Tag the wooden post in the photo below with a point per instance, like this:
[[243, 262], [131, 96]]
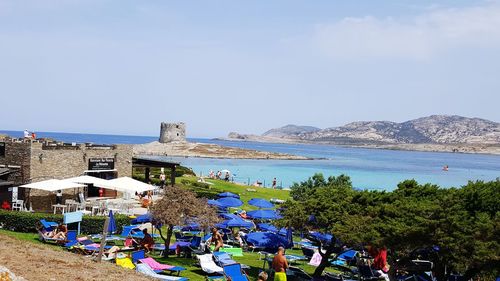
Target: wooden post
[[172, 175], [103, 239], [146, 175]]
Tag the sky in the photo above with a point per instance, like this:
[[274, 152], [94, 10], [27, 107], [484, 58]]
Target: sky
[[122, 67]]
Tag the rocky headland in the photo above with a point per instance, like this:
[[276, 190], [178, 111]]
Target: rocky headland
[[433, 133]]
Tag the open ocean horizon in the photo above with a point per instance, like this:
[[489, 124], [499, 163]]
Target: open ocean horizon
[[368, 168]]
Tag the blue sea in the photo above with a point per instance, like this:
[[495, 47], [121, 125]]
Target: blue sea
[[368, 168]]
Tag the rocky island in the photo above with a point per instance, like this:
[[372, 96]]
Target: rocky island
[[433, 133]]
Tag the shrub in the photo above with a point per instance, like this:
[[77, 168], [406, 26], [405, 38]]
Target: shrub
[[29, 222]]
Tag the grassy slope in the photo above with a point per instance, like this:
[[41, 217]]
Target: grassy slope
[[193, 272]]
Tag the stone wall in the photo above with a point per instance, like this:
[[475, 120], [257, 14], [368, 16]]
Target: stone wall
[[17, 156], [172, 132], [68, 162]]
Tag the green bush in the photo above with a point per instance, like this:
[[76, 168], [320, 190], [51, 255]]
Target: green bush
[[29, 222]]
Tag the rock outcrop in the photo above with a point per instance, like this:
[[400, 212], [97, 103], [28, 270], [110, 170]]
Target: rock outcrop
[[436, 131]]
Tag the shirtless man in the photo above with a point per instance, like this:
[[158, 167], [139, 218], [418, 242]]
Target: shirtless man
[[280, 265], [216, 239]]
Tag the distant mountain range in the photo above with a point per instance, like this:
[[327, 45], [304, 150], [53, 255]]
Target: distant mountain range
[[435, 129]]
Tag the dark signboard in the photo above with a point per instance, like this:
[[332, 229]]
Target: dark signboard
[[96, 164], [2, 149]]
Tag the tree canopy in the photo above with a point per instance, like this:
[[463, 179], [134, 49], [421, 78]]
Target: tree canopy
[[464, 223], [179, 207]]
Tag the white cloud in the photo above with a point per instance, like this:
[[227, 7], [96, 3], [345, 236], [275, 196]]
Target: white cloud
[[420, 37]]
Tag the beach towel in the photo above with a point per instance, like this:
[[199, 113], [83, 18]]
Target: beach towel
[[280, 276], [316, 259], [125, 262], [156, 265]]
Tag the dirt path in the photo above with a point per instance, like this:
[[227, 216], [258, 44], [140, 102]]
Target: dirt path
[[41, 262]]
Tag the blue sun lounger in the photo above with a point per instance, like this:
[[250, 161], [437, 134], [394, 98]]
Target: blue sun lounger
[[234, 272]]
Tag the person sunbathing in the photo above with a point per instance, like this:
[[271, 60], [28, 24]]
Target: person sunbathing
[[59, 233], [147, 242]]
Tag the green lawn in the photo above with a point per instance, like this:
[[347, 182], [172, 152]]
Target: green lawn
[[219, 186], [194, 272]]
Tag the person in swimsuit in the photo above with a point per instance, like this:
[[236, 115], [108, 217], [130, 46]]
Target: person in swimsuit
[[280, 265], [216, 239]]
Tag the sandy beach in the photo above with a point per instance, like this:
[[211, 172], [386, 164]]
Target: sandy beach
[[203, 150]]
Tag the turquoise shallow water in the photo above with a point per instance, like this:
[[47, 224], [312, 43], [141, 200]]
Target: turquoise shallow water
[[368, 168]]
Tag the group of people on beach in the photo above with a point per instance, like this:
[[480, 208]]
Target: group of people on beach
[[218, 175]]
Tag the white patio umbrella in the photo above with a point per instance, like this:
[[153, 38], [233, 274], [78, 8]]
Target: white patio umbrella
[[52, 185], [126, 184], [90, 180]]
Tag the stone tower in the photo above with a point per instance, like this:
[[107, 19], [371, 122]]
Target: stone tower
[[172, 132]]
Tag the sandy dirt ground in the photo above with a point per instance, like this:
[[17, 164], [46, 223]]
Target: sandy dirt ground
[[41, 262], [204, 150]]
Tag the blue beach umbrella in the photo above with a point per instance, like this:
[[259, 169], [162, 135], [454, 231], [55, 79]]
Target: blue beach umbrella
[[323, 238], [228, 194], [112, 223], [268, 240], [261, 203], [143, 219], [267, 227], [264, 214], [215, 203], [236, 223], [229, 202]]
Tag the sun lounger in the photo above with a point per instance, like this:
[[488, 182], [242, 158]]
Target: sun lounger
[[234, 272], [208, 265], [235, 252], [125, 262], [70, 236], [223, 259], [48, 225], [161, 267], [146, 270]]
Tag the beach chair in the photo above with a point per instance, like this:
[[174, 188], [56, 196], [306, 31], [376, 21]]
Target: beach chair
[[234, 272], [146, 270], [208, 265], [180, 238], [156, 266], [125, 262], [48, 225], [194, 247]]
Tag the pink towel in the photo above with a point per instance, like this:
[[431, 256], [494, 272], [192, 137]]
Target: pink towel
[[316, 259], [155, 265]]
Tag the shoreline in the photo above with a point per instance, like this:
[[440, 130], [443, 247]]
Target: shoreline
[[483, 149], [204, 150]]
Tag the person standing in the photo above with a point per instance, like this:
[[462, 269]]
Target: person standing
[[274, 183], [26, 134], [216, 239], [280, 265], [59, 197], [162, 180]]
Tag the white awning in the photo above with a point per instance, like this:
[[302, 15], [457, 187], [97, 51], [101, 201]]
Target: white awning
[[52, 185], [90, 180], [99, 171], [126, 184]]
